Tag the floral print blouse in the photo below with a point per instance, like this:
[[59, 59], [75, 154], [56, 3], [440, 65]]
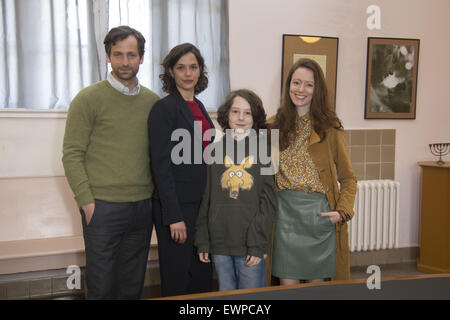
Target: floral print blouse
[[297, 170]]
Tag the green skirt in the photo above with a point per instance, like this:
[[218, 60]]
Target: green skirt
[[304, 242]]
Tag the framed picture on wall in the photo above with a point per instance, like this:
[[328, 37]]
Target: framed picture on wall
[[323, 50], [391, 79]]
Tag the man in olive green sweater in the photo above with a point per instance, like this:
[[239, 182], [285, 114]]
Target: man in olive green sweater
[[107, 165]]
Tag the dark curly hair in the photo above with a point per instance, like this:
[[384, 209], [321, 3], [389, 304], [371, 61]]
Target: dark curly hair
[[171, 60], [322, 115], [256, 106], [121, 33]]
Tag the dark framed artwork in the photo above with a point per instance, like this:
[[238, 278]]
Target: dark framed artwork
[[391, 79], [323, 50]]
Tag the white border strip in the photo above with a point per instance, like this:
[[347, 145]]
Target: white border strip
[[31, 113]]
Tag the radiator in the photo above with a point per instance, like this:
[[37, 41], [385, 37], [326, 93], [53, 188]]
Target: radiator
[[375, 224]]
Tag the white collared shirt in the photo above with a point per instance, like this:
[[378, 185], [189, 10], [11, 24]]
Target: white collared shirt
[[119, 86]]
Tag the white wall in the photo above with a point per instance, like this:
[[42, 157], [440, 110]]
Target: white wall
[[256, 29]]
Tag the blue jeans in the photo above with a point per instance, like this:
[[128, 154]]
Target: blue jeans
[[234, 274]]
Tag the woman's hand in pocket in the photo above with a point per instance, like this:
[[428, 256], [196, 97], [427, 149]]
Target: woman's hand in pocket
[[335, 217]]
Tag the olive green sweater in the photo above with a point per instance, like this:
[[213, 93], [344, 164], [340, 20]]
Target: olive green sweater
[[105, 148]]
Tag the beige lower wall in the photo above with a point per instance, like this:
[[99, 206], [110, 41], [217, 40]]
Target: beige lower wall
[[372, 153], [37, 208], [40, 225]]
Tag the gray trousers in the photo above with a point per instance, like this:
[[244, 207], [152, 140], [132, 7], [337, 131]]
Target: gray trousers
[[117, 242]]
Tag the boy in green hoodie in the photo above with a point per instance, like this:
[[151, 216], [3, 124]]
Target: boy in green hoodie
[[238, 209]]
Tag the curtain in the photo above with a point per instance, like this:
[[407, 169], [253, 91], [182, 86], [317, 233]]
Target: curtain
[[51, 49], [47, 52], [203, 23]]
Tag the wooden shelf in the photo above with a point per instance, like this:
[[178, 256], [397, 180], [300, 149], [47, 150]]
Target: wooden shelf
[[435, 218]]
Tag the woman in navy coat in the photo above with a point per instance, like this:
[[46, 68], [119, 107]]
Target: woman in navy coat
[[180, 173]]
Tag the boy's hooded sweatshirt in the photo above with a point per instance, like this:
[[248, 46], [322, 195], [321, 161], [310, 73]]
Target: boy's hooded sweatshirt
[[239, 205]]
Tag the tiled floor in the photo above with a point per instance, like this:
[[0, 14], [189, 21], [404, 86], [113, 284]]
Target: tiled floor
[[387, 270], [36, 289], [49, 284], [360, 272]]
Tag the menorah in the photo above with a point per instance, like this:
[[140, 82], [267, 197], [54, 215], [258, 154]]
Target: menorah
[[440, 149]]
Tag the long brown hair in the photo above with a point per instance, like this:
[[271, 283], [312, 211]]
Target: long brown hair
[[322, 115]]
